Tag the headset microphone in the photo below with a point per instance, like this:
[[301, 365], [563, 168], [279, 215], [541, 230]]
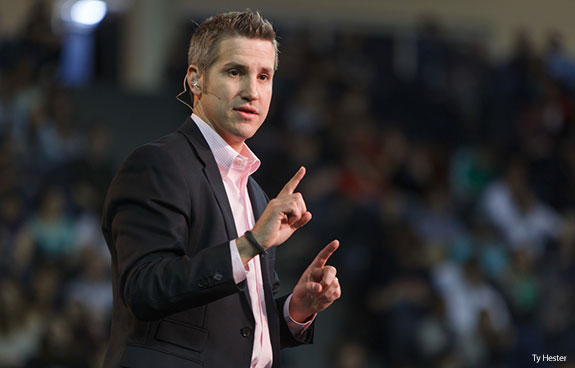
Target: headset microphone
[[196, 83], [209, 93]]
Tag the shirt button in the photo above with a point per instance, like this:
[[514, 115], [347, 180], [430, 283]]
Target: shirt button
[[246, 331]]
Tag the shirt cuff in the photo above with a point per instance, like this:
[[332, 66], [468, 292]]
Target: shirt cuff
[[296, 328], [237, 265]]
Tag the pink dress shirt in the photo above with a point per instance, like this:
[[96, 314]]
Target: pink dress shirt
[[235, 169]]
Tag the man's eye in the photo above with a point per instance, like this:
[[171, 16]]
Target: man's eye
[[233, 72], [264, 77]]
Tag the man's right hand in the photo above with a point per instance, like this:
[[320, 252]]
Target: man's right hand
[[282, 216]]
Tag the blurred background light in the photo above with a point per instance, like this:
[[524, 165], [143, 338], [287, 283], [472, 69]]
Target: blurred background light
[[83, 13], [80, 19], [88, 12]]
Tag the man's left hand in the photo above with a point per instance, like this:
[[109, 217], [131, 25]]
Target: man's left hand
[[317, 288]]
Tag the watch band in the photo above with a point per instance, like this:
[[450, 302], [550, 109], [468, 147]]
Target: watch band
[[251, 238]]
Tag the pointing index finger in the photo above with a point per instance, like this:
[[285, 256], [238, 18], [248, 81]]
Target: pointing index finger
[[322, 257], [290, 186]]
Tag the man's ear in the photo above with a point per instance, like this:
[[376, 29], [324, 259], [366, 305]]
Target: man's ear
[[193, 80]]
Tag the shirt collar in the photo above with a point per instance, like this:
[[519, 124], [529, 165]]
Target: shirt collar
[[224, 154]]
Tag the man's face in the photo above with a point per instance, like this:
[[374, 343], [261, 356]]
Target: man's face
[[236, 90]]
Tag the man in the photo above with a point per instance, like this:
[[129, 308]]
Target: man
[[192, 235]]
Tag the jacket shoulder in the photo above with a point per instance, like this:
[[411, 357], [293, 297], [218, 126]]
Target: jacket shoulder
[[173, 146]]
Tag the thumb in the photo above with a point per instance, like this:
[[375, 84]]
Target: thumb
[[301, 291], [313, 287]]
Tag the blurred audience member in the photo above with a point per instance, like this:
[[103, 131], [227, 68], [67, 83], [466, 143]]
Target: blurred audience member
[[20, 326], [473, 307], [92, 289], [511, 205], [50, 227], [59, 139]]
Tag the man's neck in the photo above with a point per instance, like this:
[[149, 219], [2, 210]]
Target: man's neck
[[237, 145]]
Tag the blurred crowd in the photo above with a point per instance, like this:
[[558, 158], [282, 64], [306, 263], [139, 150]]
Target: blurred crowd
[[451, 187], [55, 288], [448, 177]]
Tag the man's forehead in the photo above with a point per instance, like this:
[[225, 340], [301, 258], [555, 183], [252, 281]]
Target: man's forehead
[[242, 50]]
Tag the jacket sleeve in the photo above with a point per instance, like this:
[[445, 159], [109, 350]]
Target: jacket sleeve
[[287, 339], [146, 223]]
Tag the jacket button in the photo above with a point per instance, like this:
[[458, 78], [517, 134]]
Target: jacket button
[[218, 276], [246, 331]]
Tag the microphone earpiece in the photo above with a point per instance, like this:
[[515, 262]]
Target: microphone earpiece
[[195, 83]]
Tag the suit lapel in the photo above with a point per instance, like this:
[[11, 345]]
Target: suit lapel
[[257, 198], [214, 177], [212, 173]]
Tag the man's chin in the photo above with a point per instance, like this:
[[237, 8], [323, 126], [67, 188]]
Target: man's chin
[[247, 128]]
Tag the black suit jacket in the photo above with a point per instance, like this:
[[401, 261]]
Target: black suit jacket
[[168, 223]]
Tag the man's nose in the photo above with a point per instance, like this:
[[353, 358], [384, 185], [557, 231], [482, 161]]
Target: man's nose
[[250, 88]]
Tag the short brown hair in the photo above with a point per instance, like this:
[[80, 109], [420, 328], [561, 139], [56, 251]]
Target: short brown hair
[[203, 48]]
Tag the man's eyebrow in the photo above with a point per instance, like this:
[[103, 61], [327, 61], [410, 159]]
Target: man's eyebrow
[[233, 64], [268, 70], [242, 67]]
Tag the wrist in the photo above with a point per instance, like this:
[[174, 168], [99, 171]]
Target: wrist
[[245, 249], [298, 313]]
